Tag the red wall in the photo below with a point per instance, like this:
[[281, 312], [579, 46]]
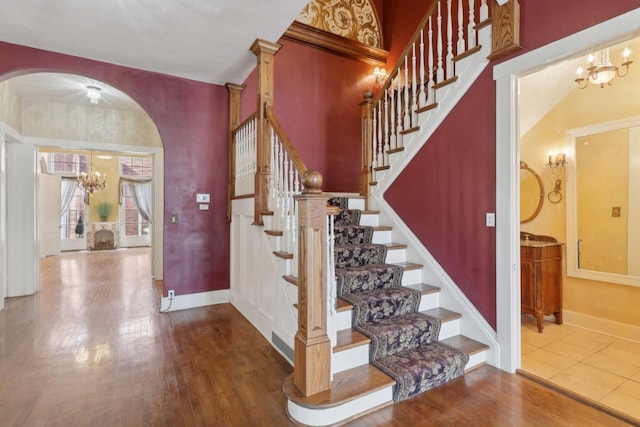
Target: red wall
[[192, 119], [452, 179], [316, 99]]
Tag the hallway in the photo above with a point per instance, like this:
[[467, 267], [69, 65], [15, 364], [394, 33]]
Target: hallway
[[91, 349]]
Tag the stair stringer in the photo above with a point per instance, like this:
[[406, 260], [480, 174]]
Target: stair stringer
[[467, 70], [260, 293], [472, 323]]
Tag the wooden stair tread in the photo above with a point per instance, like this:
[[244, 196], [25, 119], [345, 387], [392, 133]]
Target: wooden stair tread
[[291, 279], [442, 313], [283, 255], [427, 107], [342, 305], [273, 232], [395, 150], [350, 338], [382, 168], [346, 386], [369, 212], [392, 246], [424, 288], [445, 82], [410, 130], [407, 266], [383, 228], [466, 344], [266, 213]]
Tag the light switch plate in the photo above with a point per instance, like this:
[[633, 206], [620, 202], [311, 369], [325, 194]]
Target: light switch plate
[[204, 206], [203, 198], [491, 219]]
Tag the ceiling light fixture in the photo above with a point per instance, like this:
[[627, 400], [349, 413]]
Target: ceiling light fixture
[[94, 94], [104, 156], [600, 70]]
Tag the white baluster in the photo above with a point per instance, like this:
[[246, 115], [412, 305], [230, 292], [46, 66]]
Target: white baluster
[[398, 111], [291, 211], [278, 216], [392, 109], [460, 48], [407, 116], [386, 126], [484, 11], [381, 137], [422, 97], [449, 42], [414, 89], [382, 160], [440, 72], [430, 91], [471, 30], [374, 144]]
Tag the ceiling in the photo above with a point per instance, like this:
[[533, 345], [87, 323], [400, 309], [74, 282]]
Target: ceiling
[[203, 40]]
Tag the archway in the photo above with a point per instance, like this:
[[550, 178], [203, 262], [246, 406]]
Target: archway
[[52, 110]]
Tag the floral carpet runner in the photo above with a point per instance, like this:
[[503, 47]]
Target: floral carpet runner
[[404, 342]]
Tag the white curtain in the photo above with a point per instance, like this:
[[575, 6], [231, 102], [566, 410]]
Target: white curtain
[[141, 192], [67, 191]]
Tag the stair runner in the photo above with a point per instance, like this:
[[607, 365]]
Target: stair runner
[[404, 342]]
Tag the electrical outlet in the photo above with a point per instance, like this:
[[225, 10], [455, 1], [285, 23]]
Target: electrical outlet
[[171, 294]]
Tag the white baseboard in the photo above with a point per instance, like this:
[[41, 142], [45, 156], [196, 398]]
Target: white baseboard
[[199, 299], [603, 326]]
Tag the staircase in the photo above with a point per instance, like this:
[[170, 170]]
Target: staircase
[[358, 386]]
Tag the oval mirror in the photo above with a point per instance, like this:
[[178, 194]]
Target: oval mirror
[[531, 193]]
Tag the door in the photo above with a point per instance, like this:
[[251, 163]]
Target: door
[[49, 214]]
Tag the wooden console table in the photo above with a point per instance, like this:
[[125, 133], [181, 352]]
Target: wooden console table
[[541, 280]]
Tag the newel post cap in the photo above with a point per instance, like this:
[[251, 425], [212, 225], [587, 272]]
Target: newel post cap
[[312, 182]]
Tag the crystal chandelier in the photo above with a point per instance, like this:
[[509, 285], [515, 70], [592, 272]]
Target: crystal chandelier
[[601, 71], [92, 181]]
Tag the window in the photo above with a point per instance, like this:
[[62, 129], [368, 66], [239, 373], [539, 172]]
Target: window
[[69, 164], [134, 167]]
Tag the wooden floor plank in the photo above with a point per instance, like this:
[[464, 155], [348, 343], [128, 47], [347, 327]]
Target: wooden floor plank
[[92, 349]]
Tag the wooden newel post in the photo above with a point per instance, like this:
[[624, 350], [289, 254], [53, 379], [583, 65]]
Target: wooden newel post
[[505, 28], [366, 108], [234, 121], [264, 52], [312, 370]]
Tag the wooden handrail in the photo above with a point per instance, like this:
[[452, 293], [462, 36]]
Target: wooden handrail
[[291, 151], [247, 120]]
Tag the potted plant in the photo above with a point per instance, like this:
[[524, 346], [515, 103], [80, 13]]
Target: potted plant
[[104, 210]]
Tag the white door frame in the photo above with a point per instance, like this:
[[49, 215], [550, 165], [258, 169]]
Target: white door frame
[[506, 75]]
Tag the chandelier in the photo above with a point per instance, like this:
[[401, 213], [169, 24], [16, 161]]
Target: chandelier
[[92, 181], [600, 70]]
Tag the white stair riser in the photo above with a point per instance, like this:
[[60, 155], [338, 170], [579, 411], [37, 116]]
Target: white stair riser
[[350, 358], [370, 219], [342, 320], [334, 414], [396, 255], [381, 237], [411, 276], [429, 301], [476, 359], [355, 203], [449, 329]]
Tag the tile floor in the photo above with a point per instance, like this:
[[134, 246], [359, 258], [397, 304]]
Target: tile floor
[[600, 367]]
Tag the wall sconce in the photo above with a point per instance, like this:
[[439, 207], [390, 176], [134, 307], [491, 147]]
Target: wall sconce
[[558, 161], [380, 74]]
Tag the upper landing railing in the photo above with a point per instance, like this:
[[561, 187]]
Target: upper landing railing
[[447, 34]]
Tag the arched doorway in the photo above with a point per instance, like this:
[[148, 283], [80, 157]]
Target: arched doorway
[[52, 112]]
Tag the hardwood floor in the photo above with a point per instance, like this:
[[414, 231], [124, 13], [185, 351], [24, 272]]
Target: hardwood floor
[[92, 349]]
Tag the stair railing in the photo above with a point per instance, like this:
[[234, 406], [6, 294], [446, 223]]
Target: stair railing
[[244, 144], [427, 63]]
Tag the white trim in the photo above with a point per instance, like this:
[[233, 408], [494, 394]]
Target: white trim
[[600, 325], [507, 153], [199, 299], [3, 218]]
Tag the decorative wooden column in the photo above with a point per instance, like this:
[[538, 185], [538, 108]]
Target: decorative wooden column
[[505, 28], [234, 120], [312, 370], [366, 108], [264, 51]]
